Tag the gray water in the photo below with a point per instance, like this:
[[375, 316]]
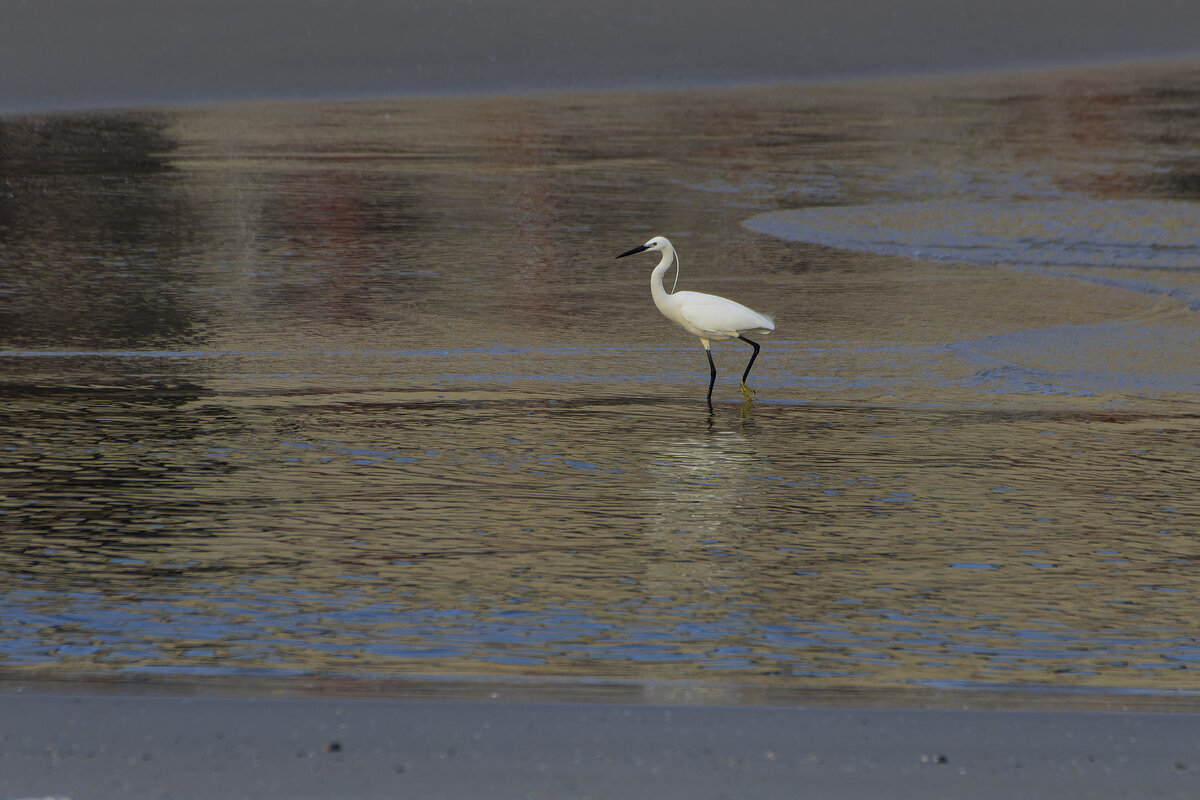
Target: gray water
[[358, 390]]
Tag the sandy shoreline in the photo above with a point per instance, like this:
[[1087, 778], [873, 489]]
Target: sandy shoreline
[[110, 746], [308, 737]]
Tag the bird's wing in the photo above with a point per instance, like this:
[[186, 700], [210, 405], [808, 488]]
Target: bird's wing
[[708, 312]]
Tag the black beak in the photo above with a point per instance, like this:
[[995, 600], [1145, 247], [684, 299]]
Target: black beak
[[637, 249]]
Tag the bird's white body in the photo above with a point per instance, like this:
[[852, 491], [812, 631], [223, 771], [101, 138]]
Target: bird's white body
[[708, 317]]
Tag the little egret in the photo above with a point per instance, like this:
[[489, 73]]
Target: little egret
[[706, 316]]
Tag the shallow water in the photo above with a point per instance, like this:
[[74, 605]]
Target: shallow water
[[358, 389]]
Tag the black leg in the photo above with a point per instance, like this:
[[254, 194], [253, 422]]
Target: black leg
[[746, 374], [712, 376]]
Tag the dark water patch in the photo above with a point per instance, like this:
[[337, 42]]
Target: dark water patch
[[116, 145]]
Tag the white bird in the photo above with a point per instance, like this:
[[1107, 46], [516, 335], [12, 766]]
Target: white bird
[[706, 316]]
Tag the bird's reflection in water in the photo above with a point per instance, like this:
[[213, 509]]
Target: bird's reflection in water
[[696, 498]]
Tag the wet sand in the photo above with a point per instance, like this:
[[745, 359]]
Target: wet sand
[[183, 747]]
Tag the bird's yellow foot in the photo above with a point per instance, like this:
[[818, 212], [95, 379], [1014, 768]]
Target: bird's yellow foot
[[747, 392]]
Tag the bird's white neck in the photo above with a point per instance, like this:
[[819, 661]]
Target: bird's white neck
[[657, 291]]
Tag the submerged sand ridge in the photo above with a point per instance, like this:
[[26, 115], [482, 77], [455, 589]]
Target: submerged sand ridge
[[1140, 246]]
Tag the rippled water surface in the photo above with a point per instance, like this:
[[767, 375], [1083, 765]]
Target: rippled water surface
[[358, 389]]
